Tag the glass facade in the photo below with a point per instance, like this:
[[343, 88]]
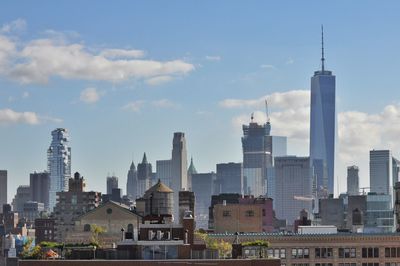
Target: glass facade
[[322, 129]]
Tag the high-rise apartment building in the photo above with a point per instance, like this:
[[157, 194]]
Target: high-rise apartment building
[[257, 156], [40, 185], [179, 169], [322, 126], [144, 173], [353, 186], [3, 189], [294, 182], [112, 182], [58, 164], [203, 188], [132, 182], [23, 195]]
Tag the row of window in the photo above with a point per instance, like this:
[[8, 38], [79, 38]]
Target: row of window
[[347, 264], [323, 253], [248, 213], [392, 252]]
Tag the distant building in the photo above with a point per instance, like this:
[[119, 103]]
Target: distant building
[[23, 195], [58, 164], [332, 212], [279, 148], [257, 157], [380, 216], [132, 182], [144, 173], [224, 198], [72, 204], [294, 184], [3, 189], [203, 187], [9, 219], [40, 185], [191, 171], [248, 215], [164, 171], [44, 230], [353, 186], [186, 203], [230, 178], [179, 168], [112, 182], [33, 210], [322, 126], [356, 204]]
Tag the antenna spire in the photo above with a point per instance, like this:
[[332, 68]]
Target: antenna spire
[[266, 110], [252, 117], [322, 50]]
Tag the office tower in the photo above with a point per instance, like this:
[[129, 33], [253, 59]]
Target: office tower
[[164, 171], [112, 182], [293, 187], [203, 188], [380, 172], [279, 148], [230, 178], [179, 169], [257, 156], [40, 185], [131, 183], [353, 187], [32, 210], [322, 126], [191, 171], [396, 169], [73, 203], [58, 164], [23, 195], [144, 172], [3, 189]]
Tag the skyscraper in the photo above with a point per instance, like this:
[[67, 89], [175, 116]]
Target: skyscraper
[[179, 169], [40, 184], [352, 180], [132, 183], [380, 172], [3, 189], [144, 173], [257, 156], [322, 127], [58, 164], [230, 178], [293, 187], [112, 182], [164, 171]]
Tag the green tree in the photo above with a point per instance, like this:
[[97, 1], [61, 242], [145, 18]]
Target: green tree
[[97, 231]]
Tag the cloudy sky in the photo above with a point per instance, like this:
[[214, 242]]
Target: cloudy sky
[[123, 76]]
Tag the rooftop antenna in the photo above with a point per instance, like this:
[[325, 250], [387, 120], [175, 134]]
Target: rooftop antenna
[[322, 46], [252, 117], [266, 111]]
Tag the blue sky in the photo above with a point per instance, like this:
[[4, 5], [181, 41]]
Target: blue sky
[[123, 76]]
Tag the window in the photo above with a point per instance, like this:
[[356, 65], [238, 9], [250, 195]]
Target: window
[[249, 213], [226, 213], [130, 228], [323, 253], [392, 252], [370, 264], [300, 253], [86, 228], [347, 253], [371, 253], [347, 264], [323, 264]]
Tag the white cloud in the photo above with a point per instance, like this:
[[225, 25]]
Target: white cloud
[[164, 103], [56, 56], [25, 94], [158, 80], [289, 61], [291, 99], [120, 53], [213, 58], [134, 106], [90, 95], [9, 116], [268, 66], [16, 25]]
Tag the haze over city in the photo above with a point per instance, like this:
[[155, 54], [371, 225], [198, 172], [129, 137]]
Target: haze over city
[[123, 77]]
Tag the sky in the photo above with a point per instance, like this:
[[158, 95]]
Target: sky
[[122, 76]]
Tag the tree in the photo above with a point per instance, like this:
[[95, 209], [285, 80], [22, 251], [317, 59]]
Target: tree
[[261, 244], [97, 231], [224, 248]]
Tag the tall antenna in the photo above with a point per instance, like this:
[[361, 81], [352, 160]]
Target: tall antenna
[[252, 117], [266, 110], [322, 46]]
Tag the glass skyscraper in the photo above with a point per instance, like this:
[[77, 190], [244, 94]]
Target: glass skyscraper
[[322, 127], [58, 164]]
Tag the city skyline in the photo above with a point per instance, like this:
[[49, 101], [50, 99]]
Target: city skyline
[[205, 79]]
